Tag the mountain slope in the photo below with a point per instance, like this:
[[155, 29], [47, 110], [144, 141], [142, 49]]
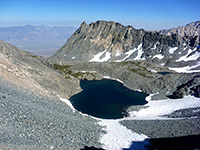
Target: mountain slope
[[110, 41], [32, 115], [33, 72], [40, 40], [191, 29]]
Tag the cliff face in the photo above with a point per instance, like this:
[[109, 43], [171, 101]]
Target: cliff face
[[110, 41]]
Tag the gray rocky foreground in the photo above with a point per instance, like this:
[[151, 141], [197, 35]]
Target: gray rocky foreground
[[164, 128], [28, 121]]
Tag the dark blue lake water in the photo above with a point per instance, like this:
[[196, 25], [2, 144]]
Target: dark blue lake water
[[106, 99], [164, 73]]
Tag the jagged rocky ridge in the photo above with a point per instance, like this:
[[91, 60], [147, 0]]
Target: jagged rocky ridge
[[190, 30], [110, 41]]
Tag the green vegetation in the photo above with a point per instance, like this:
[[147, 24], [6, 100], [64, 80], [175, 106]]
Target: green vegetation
[[65, 69], [124, 63], [136, 67], [142, 72], [34, 56]]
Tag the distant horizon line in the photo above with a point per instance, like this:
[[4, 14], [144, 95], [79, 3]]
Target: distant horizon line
[[36, 26], [74, 26]]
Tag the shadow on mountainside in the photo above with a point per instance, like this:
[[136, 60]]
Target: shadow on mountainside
[[178, 143]]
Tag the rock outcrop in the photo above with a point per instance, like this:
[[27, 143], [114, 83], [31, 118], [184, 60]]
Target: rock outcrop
[[110, 41], [192, 87]]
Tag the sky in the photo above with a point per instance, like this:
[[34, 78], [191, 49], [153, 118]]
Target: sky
[[147, 14]]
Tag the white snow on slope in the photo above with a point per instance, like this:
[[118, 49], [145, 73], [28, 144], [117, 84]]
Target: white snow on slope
[[159, 56], [87, 71], [108, 77], [195, 56], [118, 136], [117, 53], [97, 58], [154, 71], [154, 47], [67, 102], [130, 52], [140, 52], [156, 109], [172, 49], [186, 69]]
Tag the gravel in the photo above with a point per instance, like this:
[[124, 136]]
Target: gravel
[[164, 128], [28, 121], [185, 113]]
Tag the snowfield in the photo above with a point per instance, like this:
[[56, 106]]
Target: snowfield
[[156, 109], [172, 49], [97, 57], [159, 56], [186, 69], [186, 57], [118, 137]]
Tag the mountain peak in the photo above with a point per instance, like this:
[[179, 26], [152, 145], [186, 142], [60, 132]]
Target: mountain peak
[[83, 24]]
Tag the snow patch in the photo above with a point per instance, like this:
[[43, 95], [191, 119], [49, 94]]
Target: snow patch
[[159, 56], [156, 109], [186, 69], [117, 53], [73, 57], [172, 49], [87, 71], [107, 77], [118, 137], [130, 52], [148, 98], [195, 56], [67, 102], [140, 52], [162, 64], [97, 58], [154, 71], [155, 45]]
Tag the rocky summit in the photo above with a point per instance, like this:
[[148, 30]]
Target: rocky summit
[[108, 41]]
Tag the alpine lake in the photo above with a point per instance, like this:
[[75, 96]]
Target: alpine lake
[[106, 99]]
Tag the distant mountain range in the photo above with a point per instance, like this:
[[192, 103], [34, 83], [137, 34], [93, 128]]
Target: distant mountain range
[[106, 41], [191, 29], [40, 40]]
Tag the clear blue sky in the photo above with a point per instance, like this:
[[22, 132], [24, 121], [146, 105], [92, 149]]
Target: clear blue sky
[[147, 14]]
